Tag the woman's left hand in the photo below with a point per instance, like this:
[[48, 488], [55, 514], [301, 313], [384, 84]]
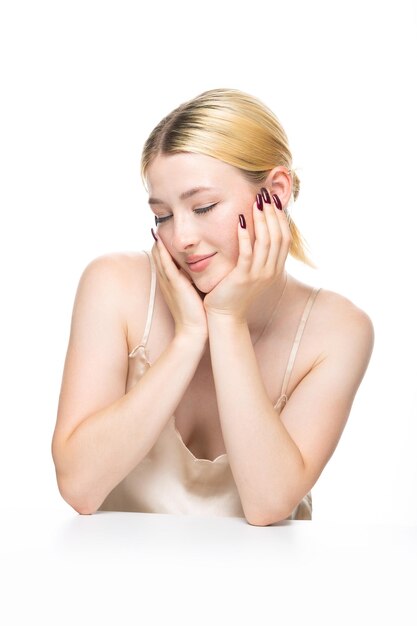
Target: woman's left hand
[[256, 269]]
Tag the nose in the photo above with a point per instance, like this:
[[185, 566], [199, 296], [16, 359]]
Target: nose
[[185, 234]]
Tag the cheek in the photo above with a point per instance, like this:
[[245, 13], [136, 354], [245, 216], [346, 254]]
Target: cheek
[[226, 235], [228, 228]]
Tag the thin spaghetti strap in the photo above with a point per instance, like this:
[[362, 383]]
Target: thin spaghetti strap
[[297, 340], [151, 305]]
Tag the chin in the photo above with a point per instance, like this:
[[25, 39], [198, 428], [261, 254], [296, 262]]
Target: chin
[[203, 291], [202, 294], [204, 284]]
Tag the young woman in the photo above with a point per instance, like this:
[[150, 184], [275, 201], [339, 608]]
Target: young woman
[[218, 386]]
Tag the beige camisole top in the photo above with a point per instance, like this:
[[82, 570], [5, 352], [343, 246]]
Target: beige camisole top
[[170, 479]]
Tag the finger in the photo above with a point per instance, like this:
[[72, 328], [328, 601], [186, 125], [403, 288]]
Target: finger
[[263, 239], [275, 232], [244, 261], [167, 255], [156, 256], [285, 241], [280, 236], [167, 263]]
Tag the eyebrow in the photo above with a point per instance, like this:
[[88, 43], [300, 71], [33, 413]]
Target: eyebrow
[[184, 195]]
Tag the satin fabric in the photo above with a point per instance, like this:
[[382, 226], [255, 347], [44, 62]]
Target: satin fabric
[[170, 479]]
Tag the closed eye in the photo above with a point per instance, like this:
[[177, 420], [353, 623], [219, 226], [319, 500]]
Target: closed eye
[[160, 220]]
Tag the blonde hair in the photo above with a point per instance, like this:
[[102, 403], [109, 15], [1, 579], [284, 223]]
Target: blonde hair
[[236, 128]]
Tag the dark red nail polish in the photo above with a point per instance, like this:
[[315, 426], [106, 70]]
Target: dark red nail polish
[[277, 201], [266, 195], [259, 202], [153, 235], [242, 220]]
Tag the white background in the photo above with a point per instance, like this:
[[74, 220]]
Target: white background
[[84, 83]]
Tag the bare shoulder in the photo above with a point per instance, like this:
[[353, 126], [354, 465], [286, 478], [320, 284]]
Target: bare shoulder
[[124, 266], [341, 324], [336, 308], [95, 367], [124, 275], [115, 284]]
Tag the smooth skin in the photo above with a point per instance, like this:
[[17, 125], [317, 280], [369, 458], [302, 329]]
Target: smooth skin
[[288, 454], [257, 268], [249, 264], [102, 432]]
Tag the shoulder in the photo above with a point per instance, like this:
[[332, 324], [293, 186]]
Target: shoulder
[[122, 270], [116, 279], [342, 325], [338, 310], [118, 264], [331, 311]]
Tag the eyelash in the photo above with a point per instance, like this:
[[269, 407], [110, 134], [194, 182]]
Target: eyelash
[[160, 220]]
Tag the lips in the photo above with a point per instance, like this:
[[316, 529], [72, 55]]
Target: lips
[[200, 266], [196, 259]]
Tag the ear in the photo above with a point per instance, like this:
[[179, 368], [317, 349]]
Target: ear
[[279, 180]]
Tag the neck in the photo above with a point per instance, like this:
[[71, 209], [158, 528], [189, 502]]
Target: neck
[[259, 314], [265, 306]]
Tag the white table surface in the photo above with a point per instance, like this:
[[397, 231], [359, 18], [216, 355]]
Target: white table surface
[[58, 567]]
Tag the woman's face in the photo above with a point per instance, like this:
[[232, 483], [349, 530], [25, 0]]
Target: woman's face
[[187, 230]]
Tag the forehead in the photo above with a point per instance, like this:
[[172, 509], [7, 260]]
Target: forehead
[[185, 168]]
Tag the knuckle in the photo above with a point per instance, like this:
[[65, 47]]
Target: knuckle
[[269, 274]]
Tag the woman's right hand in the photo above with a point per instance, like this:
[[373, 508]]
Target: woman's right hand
[[181, 296]]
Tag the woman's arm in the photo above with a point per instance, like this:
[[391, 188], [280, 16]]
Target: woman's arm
[[276, 459], [102, 432]]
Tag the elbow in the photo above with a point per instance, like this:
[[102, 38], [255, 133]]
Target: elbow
[[266, 518], [83, 511], [70, 491], [78, 501], [266, 521], [267, 513], [82, 507]]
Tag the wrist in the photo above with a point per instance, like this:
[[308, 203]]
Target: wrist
[[187, 337], [225, 318]]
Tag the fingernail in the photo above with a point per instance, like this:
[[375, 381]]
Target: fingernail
[[277, 201], [259, 202], [153, 235], [242, 220], [266, 195]]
